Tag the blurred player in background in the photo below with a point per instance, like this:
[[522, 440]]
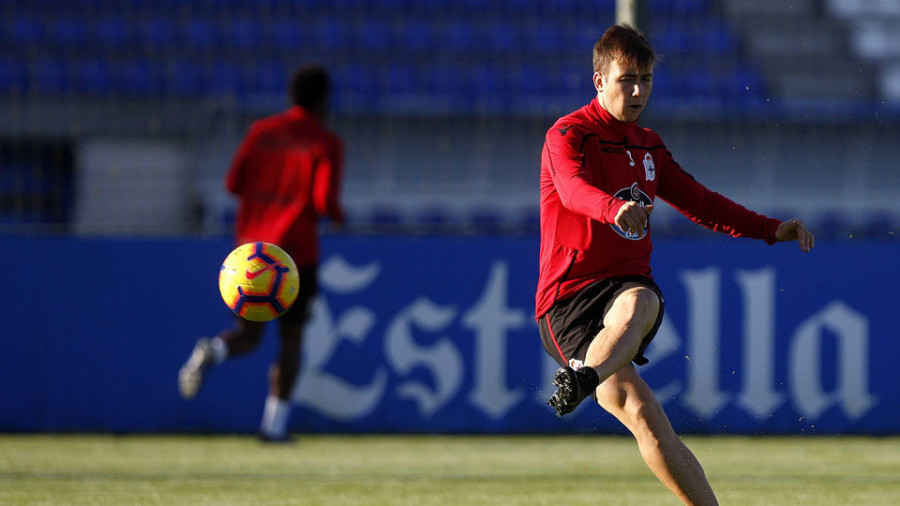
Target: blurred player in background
[[286, 174], [597, 305]]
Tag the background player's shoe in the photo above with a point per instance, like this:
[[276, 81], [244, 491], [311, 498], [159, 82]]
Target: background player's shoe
[[190, 377], [571, 388]]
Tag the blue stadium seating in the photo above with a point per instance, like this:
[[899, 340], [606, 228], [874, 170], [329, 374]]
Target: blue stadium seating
[[113, 32], [27, 31], [13, 77], [468, 53], [94, 77], [69, 32], [202, 34], [288, 35]]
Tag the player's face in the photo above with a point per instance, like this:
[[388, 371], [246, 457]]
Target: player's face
[[624, 90]]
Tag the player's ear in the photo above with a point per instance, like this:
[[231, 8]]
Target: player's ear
[[598, 81]]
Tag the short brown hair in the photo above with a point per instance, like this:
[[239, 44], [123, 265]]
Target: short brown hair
[[310, 86], [625, 44]]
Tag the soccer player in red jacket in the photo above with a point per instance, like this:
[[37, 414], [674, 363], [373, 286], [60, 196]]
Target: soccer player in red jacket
[[596, 303], [286, 174]]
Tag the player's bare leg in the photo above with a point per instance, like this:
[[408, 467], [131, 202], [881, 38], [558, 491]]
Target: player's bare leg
[[284, 371], [627, 397], [282, 376], [630, 316], [244, 337], [239, 340]]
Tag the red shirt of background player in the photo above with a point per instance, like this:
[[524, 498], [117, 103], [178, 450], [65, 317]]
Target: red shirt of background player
[[590, 165], [287, 174]]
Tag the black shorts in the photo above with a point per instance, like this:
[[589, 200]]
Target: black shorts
[[571, 324], [309, 286]]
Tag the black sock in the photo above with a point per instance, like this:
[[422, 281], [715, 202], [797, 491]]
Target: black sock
[[589, 378]]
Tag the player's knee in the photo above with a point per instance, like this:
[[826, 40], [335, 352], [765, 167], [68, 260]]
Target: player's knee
[[646, 421], [646, 302], [638, 413], [249, 335], [642, 304]]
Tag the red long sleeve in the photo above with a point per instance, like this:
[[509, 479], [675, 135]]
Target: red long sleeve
[[710, 209], [287, 174], [590, 165], [565, 162]]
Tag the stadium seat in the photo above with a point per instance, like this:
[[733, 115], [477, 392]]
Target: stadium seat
[[157, 33], [677, 7], [376, 35], [414, 36], [224, 77], [444, 80], [286, 35], [485, 80], [27, 31], [583, 34], [52, 77], [433, 219], [493, 49], [13, 77], [544, 37], [383, 218], [270, 77], [359, 79], [457, 36], [403, 79], [502, 36], [201, 34], [485, 221], [138, 77], [332, 34], [94, 77], [113, 32], [69, 32], [718, 38], [242, 34], [185, 78]]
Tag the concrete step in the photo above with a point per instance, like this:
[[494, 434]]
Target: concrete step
[[737, 8], [793, 79], [767, 35]]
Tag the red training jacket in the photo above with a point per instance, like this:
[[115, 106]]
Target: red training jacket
[[286, 174], [591, 163]]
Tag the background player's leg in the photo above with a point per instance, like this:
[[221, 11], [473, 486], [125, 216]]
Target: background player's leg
[[238, 340], [627, 397], [282, 376], [286, 367], [243, 338]]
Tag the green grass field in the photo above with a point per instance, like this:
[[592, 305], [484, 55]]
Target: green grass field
[[435, 470]]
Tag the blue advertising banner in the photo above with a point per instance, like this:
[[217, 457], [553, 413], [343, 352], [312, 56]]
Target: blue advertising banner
[[437, 334]]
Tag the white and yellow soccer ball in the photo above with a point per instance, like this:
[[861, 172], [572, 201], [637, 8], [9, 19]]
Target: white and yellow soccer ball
[[258, 281]]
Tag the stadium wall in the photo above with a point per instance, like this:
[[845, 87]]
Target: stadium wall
[[437, 335]]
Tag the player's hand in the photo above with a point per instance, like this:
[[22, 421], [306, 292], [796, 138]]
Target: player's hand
[[632, 217], [795, 230]]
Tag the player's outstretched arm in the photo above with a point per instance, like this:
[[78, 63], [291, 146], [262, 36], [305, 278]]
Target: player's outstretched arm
[[795, 230]]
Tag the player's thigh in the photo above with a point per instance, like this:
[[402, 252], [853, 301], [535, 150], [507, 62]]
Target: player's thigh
[[633, 303], [248, 330], [293, 321], [627, 396]]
